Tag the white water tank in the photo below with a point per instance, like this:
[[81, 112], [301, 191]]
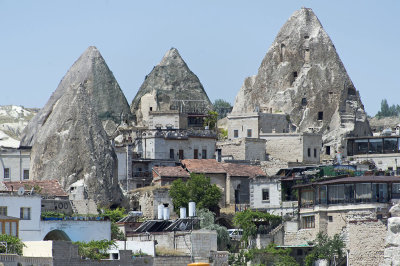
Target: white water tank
[[166, 213], [192, 209], [182, 211], [160, 212]]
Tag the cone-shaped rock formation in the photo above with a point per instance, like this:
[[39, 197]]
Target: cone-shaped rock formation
[[72, 145], [303, 76], [109, 102], [171, 85]]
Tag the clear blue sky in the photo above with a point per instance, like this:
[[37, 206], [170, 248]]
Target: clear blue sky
[[221, 41]]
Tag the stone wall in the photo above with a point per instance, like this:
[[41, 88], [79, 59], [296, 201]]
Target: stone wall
[[17, 161], [243, 149], [366, 238], [241, 123], [292, 147], [148, 198], [202, 241], [382, 161]]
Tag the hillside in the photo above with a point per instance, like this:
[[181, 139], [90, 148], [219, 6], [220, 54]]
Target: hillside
[[13, 120]]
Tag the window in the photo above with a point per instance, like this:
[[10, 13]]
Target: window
[[6, 172], [7, 228], [151, 108], [351, 91], [328, 150], [306, 37], [304, 101], [309, 222], [236, 133], [330, 219], [204, 154], [320, 115], [14, 228], [3, 210], [265, 194], [196, 154], [295, 74], [315, 153], [171, 154], [309, 152], [26, 174], [249, 133], [25, 213], [180, 154]]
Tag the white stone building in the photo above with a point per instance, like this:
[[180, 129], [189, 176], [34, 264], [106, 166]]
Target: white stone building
[[32, 228], [250, 125], [266, 195], [14, 164]]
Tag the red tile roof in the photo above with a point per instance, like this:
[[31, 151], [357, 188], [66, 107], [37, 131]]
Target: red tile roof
[[47, 187], [170, 171], [203, 166], [243, 170]]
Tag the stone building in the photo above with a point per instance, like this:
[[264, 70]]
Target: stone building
[[165, 175], [14, 164], [251, 125], [294, 147], [241, 149], [383, 151], [303, 77], [266, 195], [355, 207], [232, 179], [164, 147]]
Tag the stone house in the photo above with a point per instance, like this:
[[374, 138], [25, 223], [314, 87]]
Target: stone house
[[294, 147], [355, 207], [384, 151], [266, 195], [165, 175], [232, 179], [14, 164], [250, 125], [241, 149], [161, 148], [54, 198]]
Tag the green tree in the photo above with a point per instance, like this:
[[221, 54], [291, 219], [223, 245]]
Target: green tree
[[211, 120], [198, 189], [222, 107], [115, 215], [14, 244], [326, 248], [247, 219], [386, 110], [95, 250], [207, 221]]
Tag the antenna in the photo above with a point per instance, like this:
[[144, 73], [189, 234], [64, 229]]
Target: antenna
[[21, 191]]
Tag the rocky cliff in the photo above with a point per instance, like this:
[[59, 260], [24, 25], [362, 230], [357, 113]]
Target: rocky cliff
[[171, 85], [72, 145], [109, 102], [303, 76], [70, 135]]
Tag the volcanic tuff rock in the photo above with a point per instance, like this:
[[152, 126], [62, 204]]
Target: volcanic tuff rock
[[69, 135], [109, 102], [171, 85], [72, 145], [303, 76]]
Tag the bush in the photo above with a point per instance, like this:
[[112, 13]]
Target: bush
[[95, 250], [14, 244]]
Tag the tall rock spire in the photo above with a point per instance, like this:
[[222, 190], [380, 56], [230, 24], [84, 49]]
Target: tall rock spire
[[109, 102], [171, 85], [303, 76]]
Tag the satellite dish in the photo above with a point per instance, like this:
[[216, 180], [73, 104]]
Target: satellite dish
[[21, 191]]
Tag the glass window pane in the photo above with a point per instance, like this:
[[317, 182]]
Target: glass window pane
[[7, 228], [361, 146], [363, 192], [14, 228], [375, 146], [390, 145]]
